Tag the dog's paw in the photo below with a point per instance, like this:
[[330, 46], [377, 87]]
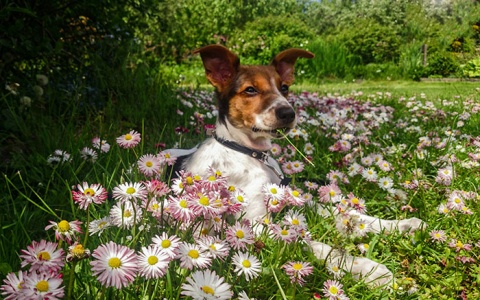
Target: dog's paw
[[410, 225], [372, 273]]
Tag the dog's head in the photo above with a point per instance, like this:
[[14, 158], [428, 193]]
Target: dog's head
[[253, 98]]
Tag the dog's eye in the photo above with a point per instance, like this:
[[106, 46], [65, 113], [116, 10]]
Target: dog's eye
[[251, 90], [284, 88]]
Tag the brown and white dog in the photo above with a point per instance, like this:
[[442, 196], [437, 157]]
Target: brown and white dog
[[252, 109]]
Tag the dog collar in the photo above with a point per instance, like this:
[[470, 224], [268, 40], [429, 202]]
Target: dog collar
[[259, 155]]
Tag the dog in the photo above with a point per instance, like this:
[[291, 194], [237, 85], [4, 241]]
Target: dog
[[252, 110]]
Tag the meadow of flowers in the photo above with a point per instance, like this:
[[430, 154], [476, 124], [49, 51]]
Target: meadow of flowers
[[136, 231]]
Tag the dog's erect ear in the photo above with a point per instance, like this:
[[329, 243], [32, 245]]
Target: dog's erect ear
[[220, 64], [284, 63]]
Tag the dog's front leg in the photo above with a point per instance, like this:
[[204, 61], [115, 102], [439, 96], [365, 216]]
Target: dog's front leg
[[373, 273], [377, 225]]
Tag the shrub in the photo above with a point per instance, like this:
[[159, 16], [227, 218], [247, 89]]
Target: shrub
[[472, 68], [441, 64]]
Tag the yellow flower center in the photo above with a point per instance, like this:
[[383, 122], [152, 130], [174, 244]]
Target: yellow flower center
[[204, 201], [183, 203], [63, 226], [155, 206], [197, 178], [459, 245], [208, 290], [333, 290], [361, 226], [128, 136], [335, 269], [130, 190], [127, 213], [274, 202], [457, 200], [149, 164], [355, 200], [231, 188], [114, 263], [78, 250], [44, 256], [246, 263], [189, 180], [295, 222], [240, 198], [212, 178], [295, 193], [152, 260], [102, 224], [166, 243], [42, 286], [273, 191], [240, 234], [193, 254], [297, 266], [212, 246], [89, 192], [284, 232], [366, 246]]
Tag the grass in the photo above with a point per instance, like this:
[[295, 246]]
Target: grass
[[418, 139]]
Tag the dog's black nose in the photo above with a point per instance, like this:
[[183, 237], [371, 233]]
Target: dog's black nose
[[285, 114]]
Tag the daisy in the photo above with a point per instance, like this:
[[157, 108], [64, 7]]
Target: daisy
[[129, 191], [295, 219], [125, 215], [180, 209], [168, 244], [297, 166], [203, 285], [77, 252], [240, 235], [297, 271], [438, 236], [443, 209], [157, 188], [363, 248], [43, 256], [65, 230], [98, 226], [103, 145], [385, 183], [13, 285], [286, 234], [310, 185], [44, 285], [458, 245], [204, 203], [153, 262], [334, 269], [294, 197], [308, 149], [273, 191], [455, 201], [166, 158], [369, 174], [289, 151], [328, 192], [88, 154], [191, 256], [149, 165], [85, 194], [354, 169], [246, 264], [332, 289], [218, 249], [129, 140], [276, 150], [114, 265], [384, 165]]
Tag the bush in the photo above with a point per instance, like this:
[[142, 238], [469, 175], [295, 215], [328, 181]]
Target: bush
[[263, 38], [472, 68], [441, 64]]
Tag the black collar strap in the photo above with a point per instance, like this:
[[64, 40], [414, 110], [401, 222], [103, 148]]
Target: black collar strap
[[260, 155]]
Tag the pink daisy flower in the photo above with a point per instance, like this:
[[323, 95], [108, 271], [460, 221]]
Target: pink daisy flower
[[65, 230], [88, 154], [13, 285], [284, 233], [218, 249], [166, 158], [77, 252], [168, 244], [153, 262], [89, 193], [328, 192], [125, 215], [297, 271], [129, 140], [157, 188], [130, 191], [191, 256], [43, 256], [438, 236], [44, 285], [149, 165], [332, 289], [240, 235], [114, 265], [103, 145], [203, 285], [246, 264], [181, 209], [276, 150]]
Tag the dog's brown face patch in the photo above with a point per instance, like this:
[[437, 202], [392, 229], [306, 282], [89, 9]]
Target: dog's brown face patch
[[256, 88]]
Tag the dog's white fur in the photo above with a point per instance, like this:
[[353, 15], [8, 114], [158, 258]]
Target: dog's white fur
[[250, 175]]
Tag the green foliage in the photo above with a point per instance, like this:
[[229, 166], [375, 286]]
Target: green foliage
[[472, 68], [442, 64], [260, 40]]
